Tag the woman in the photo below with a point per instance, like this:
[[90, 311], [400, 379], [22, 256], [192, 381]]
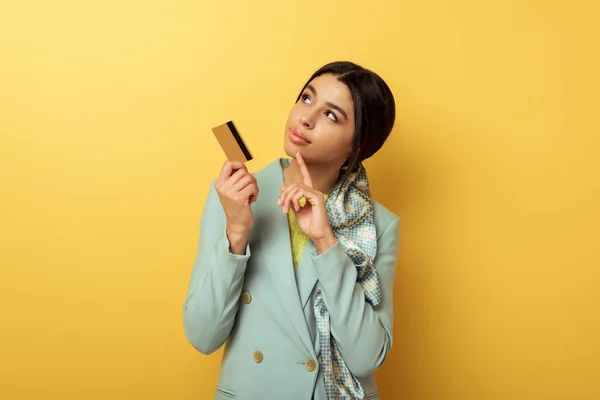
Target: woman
[[297, 281]]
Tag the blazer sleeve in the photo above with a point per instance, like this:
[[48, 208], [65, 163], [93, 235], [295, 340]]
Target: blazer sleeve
[[363, 333], [216, 282]]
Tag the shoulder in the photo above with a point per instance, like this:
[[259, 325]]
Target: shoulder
[[269, 172], [384, 218]]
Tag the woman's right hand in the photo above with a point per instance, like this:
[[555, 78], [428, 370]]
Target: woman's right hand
[[237, 190]]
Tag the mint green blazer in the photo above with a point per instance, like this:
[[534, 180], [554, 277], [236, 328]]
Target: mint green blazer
[[262, 311]]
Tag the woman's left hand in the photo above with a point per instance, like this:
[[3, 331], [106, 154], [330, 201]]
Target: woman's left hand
[[312, 218]]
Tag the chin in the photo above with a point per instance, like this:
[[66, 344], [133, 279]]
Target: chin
[[289, 148]]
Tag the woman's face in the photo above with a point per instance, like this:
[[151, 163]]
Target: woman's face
[[321, 124]]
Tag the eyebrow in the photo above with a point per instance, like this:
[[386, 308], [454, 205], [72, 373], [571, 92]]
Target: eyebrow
[[335, 107]]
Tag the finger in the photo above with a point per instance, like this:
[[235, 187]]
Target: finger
[[282, 197], [242, 183], [311, 194], [236, 165], [287, 198], [314, 197], [235, 178], [228, 168], [293, 198], [225, 172], [256, 192], [254, 195], [250, 193], [304, 170], [281, 192], [296, 200]]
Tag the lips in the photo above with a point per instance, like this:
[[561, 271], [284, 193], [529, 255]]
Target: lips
[[298, 137]]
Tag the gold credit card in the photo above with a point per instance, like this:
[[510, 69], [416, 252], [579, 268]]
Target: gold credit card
[[232, 143]]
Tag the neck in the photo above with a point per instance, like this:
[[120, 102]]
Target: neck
[[324, 177]]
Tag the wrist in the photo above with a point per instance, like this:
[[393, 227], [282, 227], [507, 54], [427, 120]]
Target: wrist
[[237, 229], [325, 243], [238, 239]]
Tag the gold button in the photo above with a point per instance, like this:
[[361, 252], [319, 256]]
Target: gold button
[[258, 356], [246, 298], [310, 365]]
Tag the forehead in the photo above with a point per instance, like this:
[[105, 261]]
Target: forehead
[[330, 89]]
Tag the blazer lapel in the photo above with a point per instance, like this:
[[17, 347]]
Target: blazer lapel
[[276, 251]]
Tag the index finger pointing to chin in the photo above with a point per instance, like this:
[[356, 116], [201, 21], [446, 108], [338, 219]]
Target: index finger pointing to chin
[[304, 170]]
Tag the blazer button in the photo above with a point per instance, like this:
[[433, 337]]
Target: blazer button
[[258, 356], [246, 298], [310, 365]]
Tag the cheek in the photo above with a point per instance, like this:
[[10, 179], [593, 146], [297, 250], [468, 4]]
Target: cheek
[[341, 146], [349, 140], [294, 111]]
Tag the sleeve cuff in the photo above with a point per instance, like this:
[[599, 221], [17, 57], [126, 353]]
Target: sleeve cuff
[[331, 262]]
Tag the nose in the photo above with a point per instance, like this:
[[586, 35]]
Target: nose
[[306, 120]]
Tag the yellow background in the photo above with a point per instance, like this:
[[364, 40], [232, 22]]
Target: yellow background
[[106, 155]]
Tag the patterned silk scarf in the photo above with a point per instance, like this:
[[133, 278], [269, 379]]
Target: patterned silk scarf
[[351, 215]]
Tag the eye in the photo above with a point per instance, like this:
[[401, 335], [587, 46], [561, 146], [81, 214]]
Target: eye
[[331, 115], [305, 99]]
